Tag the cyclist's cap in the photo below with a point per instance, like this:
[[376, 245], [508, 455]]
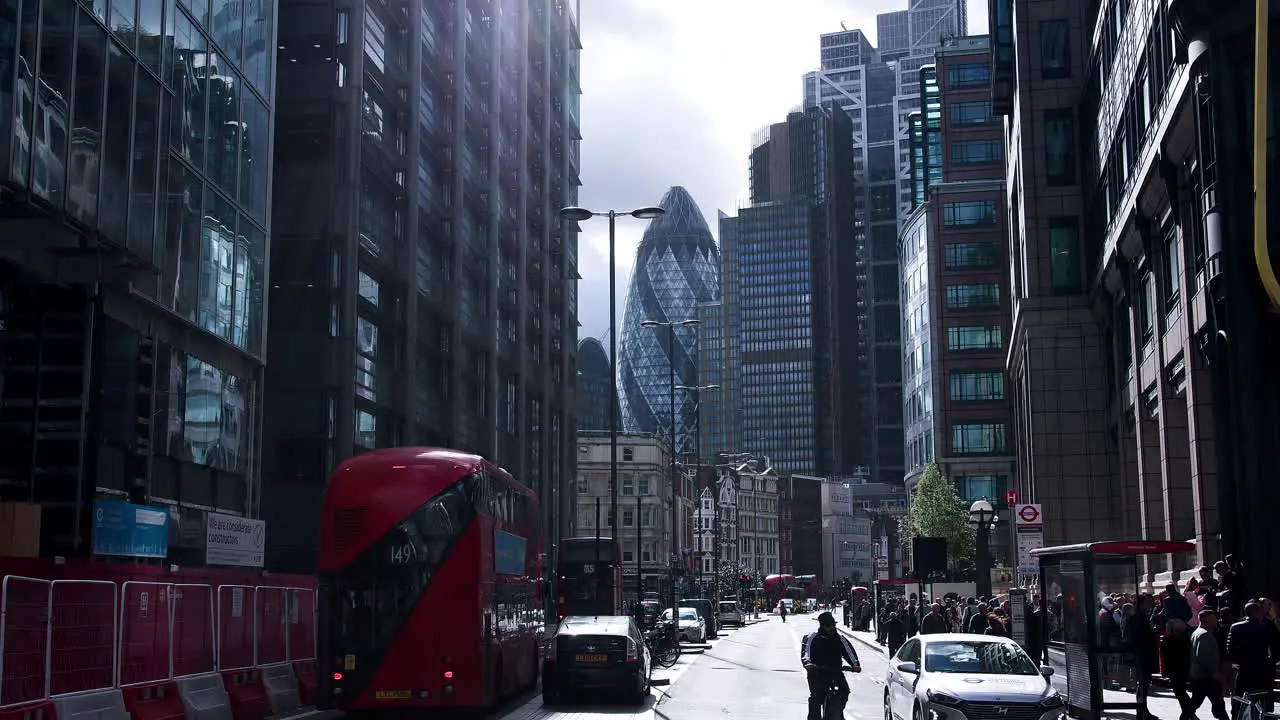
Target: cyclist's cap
[[826, 618]]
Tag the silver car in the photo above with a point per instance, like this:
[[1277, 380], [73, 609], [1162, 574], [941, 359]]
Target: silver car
[[956, 676]]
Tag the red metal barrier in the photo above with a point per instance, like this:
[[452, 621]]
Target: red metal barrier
[[84, 619], [305, 673], [24, 639], [42, 710], [157, 701], [61, 634], [247, 695], [236, 615], [191, 607], [146, 644]]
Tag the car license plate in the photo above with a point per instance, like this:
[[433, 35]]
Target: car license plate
[[393, 695], [590, 658]]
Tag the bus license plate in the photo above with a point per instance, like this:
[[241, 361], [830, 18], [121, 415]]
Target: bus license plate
[[393, 695], [591, 658]]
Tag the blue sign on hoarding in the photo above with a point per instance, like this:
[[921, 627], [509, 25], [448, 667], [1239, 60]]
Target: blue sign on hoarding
[[508, 553], [121, 528]]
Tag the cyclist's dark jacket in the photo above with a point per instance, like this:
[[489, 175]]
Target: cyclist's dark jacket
[[828, 652]]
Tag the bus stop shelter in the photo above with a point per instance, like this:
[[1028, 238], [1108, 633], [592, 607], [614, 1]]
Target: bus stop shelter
[[1092, 671]]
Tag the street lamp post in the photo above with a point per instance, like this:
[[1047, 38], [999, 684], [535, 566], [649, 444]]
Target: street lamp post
[[579, 214], [671, 369], [697, 466], [983, 517]]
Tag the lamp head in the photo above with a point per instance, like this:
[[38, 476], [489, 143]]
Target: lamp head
[[576, 214], [648, 213], [650, 324]]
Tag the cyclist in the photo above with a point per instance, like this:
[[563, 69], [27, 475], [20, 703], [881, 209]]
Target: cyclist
[[823, 654]]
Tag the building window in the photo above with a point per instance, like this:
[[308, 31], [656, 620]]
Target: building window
[[973, 296], [628, 554], [969, 214], [1142, 307], [628, 486], [977, 487], [1055, 49], [1170, 279], [642, 486], [977, 152], [628, 518], [973, 338], [628, 454], [1060, 147], [969, 114], [977, 386], [969, 75], [971, 256], [583, 487], [977, 438], [1064, 255]]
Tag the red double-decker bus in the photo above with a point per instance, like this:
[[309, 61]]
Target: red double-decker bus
[[589, 570], [429, 585]]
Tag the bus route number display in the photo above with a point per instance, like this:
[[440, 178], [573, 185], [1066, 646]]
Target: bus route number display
[[404, 553], [588, 569]]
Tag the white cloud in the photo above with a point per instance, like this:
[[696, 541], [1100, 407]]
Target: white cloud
[[673, 91]]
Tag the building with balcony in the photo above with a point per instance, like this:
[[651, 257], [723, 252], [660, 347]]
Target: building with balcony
[[135, 211], [424, 289], [1144, 345]]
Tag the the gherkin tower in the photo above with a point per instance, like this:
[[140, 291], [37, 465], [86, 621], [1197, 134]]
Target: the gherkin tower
[[677, 267]]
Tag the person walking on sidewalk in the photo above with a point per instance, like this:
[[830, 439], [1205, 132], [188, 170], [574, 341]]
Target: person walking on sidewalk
[[1206, 669], [895, 633]]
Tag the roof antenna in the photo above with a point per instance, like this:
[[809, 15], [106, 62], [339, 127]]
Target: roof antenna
[[843, 26]]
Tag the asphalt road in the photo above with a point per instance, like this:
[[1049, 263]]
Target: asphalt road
[[752, 673]]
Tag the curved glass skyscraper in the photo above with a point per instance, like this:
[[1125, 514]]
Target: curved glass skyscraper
[[677, 267], [594, 386]]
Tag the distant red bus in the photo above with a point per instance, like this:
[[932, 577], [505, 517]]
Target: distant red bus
[[429, 594], [589, 570], [775, 586]]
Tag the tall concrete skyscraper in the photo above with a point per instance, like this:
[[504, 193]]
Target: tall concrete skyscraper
[[677, 268], [425, 288], [879, 89]]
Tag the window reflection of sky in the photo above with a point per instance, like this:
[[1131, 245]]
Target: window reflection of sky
[[207, 422]]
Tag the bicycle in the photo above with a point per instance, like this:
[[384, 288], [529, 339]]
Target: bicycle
[[835, 697], [664, 645]]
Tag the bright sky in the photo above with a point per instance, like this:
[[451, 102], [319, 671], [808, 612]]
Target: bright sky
[[673, 91]]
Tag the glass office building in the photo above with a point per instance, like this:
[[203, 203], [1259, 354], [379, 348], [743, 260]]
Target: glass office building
[[677, 267], [136, 215], [594, 386], [425, 289]]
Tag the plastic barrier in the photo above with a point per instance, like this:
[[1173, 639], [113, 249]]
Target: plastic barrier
[[282, 689], [160, 701], [24, 639], [305, 672], [247, 696], [104, 705], [204, 698]]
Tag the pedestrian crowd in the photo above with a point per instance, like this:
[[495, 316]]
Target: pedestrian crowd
[[1204, 636]]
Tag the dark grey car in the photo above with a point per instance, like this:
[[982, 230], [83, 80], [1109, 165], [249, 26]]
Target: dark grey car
[[591, 653]]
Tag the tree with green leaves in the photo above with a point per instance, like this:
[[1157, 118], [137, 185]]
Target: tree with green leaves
[[937, 511], [731, 579]]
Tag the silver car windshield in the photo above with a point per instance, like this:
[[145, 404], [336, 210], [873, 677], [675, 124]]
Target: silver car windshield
[[974, 657]]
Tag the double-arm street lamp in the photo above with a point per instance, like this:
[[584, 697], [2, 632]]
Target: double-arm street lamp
[[983, 517], [579, 214], [671, 369], [697, 465]]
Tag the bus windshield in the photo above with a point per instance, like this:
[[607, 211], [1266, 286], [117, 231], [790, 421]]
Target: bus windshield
[[586, 587]]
